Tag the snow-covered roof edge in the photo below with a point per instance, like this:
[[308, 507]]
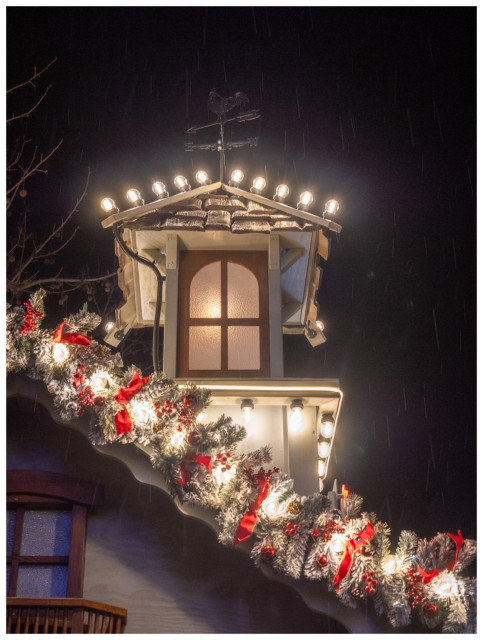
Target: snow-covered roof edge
[[151, 207]]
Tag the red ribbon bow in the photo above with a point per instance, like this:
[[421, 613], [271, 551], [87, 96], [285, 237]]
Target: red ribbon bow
[[428, 576], [249, 520], [188, 459], [70, 338], [122, 418], [351, 547]]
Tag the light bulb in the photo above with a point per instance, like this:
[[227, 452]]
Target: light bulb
[[99, 382], [445, 585], [159, 189], [134, 197], [281, 192], [327, 426], [247, 408], [60, 352], [177, 439], [305, 200], [109, 326], [322, 466], [108, 205], [297, 416], [181, 183], [320, 325], [142, 412], [201, 416], [236, 176], [202, 177], [222, 474], [389, 565], [272, 505], [331, 207], [337, 543], [258, 185], [324, 449]]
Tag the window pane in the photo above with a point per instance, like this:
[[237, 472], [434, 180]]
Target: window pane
[[204, 348], [10, 531], [243, 348], [205, 292], [42, 581], [46, 533], [242, 292]]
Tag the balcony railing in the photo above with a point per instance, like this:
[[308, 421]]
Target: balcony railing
[[63, 615]]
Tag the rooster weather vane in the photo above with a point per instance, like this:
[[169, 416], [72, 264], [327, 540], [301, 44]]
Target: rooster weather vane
[[221, 106]]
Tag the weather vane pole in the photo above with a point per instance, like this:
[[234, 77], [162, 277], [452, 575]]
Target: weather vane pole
[[221, 106]]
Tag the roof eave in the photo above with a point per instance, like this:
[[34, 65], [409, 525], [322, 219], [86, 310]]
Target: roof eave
[[151, 207], [284, 208]]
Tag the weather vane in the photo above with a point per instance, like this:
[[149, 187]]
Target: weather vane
[[221, 106]]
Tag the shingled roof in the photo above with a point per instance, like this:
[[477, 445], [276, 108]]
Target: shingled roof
[[220, 206], [221, 211]]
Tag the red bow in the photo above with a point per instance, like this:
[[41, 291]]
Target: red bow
[[189, 458], [458, 540], [428, 576], [122, 418], [351, 547], [71, 338], [249, 520]]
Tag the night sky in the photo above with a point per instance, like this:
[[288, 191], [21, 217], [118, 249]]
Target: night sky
[[374, 106]]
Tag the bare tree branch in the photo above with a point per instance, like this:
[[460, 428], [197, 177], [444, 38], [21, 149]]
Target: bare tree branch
[[27, 113], [37, 253], [78, 281], [36, 74], [26, 173]]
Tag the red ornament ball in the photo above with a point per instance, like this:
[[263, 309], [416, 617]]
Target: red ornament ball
[[267, 552], [430, 610], [322, 561], [189, 401]]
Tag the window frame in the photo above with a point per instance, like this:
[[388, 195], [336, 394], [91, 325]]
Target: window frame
[[43, 490], [190, 263]]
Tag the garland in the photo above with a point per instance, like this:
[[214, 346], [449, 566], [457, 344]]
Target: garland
[[420, 583]]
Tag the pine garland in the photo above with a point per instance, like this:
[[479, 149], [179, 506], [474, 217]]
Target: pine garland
[[420, 583]]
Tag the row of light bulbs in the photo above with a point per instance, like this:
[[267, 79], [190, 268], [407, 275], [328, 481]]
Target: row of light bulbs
[[306, 198], [326, 428]]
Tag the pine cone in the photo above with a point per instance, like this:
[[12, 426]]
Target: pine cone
[[101, 351], [294, 508]]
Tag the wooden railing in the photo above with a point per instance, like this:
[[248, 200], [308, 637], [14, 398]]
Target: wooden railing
[[63, 615]]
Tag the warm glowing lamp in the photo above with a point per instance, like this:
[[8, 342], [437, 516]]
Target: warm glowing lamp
[[181, 183], [297, 416], [327, 425], [324, 449], [108, 205], [134, 197], [331, 207], [159, 189], [202, 177], [281, 192], [236, 177], [259, 185], [60, 352], [305, 200], [247, 407]]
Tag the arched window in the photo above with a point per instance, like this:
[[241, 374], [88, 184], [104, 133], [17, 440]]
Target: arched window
[[223, 320]]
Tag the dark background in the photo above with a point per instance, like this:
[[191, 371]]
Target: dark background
[[373, 106]]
